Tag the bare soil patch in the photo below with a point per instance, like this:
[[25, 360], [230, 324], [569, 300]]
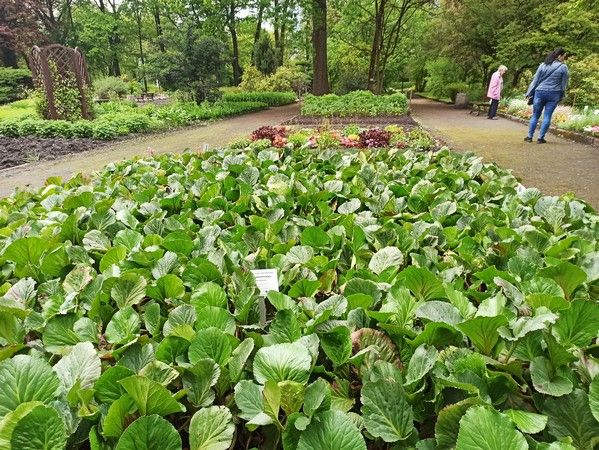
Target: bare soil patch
[[18, 151]]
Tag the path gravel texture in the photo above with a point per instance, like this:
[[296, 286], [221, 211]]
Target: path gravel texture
[[215, 134], [556, 168]]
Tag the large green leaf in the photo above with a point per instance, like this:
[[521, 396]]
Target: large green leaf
[[198, 381], [128, 290], [211, 429], [571, 416], [567, 275], [547, 379], [123, 327], [107, 389], [422, 361], [119, 414], [282, 362], [210, 343], [386, 411], [385, 258], [23, 379], [484, 428], [27, 254], [150, 397], [577, 325], [150, 433], [239, 358], [527, 422], [482, 331], [337, 344], [422, 282], [448, 421], [178, 242], [40, 428], [331, 430], [81, 365]]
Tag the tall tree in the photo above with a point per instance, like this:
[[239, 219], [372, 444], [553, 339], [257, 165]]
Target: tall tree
[[18, 31], [320, 83]]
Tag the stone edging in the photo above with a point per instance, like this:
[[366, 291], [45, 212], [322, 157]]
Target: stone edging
[[566, 134]]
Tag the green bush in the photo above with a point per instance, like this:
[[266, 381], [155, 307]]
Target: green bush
[[111, 88], [285, 79], [359, 103], [441, 73], [120, 121], [14, 84], [270, 98], [452, 89]]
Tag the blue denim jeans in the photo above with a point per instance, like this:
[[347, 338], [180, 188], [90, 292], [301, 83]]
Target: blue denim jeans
[[547, 101]]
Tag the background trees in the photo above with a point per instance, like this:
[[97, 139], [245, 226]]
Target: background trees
[[341, 45]]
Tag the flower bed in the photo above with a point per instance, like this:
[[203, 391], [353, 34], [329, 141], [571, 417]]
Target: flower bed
[[119, 119], [357, 103], [425, 300], [351, 136], [564, 117]]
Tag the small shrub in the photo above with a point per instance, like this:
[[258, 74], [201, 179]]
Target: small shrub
[[105, 130], [14, 84], [240, 144], [9, 128], [375, 137], [82, 129], [453, 89], [111, 88]]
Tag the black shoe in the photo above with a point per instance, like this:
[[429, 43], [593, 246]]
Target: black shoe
[[528, 139], [541, 141]]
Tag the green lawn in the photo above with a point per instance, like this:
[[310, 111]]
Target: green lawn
[[17, 109]]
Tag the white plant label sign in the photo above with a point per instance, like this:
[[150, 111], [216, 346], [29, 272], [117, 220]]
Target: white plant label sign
[[266, 280]]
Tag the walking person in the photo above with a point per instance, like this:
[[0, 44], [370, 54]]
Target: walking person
[[494, 91], [546, 90]]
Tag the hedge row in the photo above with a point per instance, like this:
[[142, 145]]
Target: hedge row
[[13, 83], [270, 98]]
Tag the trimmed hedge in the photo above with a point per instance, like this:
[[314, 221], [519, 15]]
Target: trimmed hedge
[[270, 98], [13, 83], [114, 124], [357, 103]]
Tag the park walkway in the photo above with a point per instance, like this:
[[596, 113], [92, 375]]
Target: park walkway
[[558, 167], [214, 134]]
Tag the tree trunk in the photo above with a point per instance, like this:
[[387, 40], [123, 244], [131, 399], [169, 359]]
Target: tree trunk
[[258, 31], [158, 24], [375, 54], [320, 85], [141, 52], [517, 75], [235, 43]]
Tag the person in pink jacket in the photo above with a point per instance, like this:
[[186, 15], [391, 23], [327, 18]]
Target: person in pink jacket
[[494, 91]]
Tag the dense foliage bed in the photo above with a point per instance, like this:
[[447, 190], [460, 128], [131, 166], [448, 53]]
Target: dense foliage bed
[[356, 103], [121, 118], [270, 98], [427, 300]]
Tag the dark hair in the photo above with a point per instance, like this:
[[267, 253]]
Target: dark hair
[[554, 54]]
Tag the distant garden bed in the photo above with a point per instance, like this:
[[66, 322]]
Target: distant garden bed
[[315, 120], [120, 118], [270, 98], [355, 104]]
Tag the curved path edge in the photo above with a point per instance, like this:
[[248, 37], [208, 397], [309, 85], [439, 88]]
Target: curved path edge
[[32, 176]]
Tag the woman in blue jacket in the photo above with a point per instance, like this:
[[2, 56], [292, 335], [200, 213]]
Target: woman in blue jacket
[[547, 89]]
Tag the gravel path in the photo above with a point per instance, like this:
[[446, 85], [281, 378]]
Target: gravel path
[[214, 134], [556, 168]]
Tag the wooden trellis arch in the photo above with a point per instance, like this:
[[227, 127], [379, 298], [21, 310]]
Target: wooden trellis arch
[[69, 62]]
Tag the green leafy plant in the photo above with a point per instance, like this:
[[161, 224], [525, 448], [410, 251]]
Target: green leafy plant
[[426, 300], [357, 103]]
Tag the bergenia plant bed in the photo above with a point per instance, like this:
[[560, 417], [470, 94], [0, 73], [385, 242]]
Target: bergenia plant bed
[[356, 103], [381, 120], [18, 151], [423, 300]]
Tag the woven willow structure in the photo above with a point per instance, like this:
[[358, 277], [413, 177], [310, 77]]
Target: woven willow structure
[[56, 60]]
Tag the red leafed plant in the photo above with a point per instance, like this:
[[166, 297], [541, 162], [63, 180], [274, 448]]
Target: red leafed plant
[[375, 137], [268, 132]]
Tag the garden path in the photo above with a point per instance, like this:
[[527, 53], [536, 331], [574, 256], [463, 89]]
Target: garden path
[[214, 134], [558, 167]]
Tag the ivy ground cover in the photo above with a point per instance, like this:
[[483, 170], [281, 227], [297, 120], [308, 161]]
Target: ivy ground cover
[[426, 301]]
